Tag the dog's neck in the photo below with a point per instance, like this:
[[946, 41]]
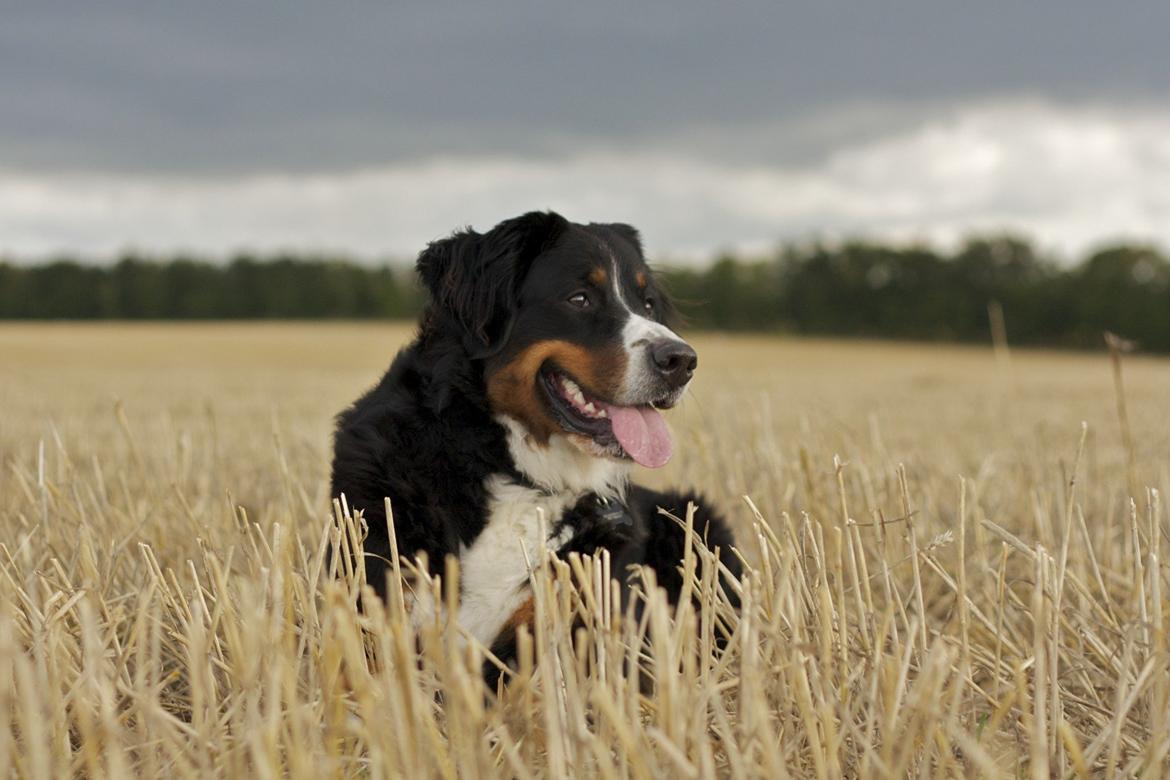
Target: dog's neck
[[560, 468]]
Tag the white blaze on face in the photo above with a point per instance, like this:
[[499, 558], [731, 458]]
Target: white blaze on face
[[638, 334], [634, 419]]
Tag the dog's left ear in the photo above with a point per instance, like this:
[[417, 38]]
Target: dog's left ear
[[627, 233], [476, 277]]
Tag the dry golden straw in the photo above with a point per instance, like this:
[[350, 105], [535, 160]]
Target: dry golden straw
[[948, 574]]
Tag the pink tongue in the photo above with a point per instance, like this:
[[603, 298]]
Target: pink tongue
[[642, 433]]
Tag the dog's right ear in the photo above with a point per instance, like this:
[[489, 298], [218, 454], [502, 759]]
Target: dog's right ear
[[476, 277]]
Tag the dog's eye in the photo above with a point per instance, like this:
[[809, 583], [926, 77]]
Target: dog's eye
[[579, 299], [649, 304]]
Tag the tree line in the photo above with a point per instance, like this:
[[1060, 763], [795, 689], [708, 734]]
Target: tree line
[[855, 289], [247, 287], [870, 290]]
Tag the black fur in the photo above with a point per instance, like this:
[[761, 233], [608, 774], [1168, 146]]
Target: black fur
[[476, 278], [637, 534], [425, 436]]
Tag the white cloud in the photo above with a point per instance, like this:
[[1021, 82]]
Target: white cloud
[[1070, 177]]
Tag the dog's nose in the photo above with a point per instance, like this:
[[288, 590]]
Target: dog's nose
[[674, 360]]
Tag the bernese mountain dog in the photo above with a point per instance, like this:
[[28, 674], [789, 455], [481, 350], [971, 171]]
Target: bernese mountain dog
[[538, 377]]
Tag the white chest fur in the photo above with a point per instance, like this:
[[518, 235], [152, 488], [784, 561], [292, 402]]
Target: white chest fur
[[494, 569]]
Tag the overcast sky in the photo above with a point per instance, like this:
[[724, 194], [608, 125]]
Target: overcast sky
[[351, 126]]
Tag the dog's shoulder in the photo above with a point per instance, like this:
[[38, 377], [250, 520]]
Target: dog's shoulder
[[421, 438]]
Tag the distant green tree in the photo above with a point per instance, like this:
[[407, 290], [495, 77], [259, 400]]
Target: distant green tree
[[1006, 270], [853, 289], [1125, 290]]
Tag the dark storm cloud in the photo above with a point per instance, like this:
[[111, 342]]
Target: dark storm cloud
[[214, 87], [210, 126]]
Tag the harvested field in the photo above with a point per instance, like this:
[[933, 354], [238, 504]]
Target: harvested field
[[947, 573]]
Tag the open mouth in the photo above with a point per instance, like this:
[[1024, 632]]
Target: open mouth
[[635, 432]]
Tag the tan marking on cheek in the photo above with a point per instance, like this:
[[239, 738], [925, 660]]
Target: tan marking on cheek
[[598, 276], [512, 388]]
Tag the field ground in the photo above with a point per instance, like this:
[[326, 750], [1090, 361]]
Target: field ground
[[931, 593]]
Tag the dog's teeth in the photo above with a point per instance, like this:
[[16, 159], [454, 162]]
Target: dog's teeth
[[577, 397]]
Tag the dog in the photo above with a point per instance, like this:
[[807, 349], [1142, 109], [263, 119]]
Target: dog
[[537, 380]]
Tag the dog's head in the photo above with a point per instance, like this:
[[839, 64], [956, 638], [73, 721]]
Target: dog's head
[[572, 330]]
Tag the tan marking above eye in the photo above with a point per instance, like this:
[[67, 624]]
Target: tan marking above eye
[[641, 279], [598, 276], [512, 388]]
